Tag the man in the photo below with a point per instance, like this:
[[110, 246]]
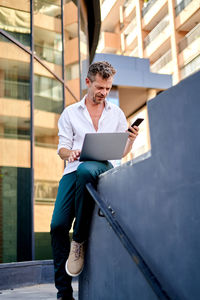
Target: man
[[92, 114]]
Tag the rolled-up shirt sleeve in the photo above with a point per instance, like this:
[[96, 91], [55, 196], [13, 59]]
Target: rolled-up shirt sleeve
[[65, 132]]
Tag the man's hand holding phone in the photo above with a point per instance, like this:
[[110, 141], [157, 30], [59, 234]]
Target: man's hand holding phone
[[134, 129]]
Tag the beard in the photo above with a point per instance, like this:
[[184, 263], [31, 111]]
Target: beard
[[97, 99]]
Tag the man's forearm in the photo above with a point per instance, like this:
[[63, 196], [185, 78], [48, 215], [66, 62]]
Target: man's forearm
[[65, 153], [70, 155], [133, 132], [128, 147]]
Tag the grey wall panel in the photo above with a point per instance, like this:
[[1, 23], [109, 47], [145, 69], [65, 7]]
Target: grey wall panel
[[157, 203], [107, 265]]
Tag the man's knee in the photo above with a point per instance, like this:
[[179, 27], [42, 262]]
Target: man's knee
[[87, 171], [59, 226], [56, 226]]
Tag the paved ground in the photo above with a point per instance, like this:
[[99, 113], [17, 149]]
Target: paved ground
[[42, 292]]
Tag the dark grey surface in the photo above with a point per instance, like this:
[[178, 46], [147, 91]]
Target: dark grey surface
[[157, 202], [13, 275], [42, 292]]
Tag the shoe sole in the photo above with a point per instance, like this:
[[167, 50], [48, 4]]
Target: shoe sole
[[70, 274]]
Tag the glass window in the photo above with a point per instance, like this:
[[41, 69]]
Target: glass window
[[15, 20], [71, 41], [48, 94], [48, 167], [84, 50], [15, 196], [50, 8], [47, 33], [15, 124]]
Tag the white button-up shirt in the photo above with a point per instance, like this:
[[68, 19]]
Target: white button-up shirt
[[75, 122]]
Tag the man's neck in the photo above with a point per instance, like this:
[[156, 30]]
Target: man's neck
[[91, 104]]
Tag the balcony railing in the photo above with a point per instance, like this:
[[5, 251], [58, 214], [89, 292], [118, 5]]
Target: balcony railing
[[147, 7], [130, 27], [23, 38], [128, 7], [181, 6], [45, 145], [106, 6], [131, 37], [128, 2], [162, 61], [191, 67], [15, 89], [134, 52], [49, 54], [193, 35], [156, 31], [15, 136], [48, 103]]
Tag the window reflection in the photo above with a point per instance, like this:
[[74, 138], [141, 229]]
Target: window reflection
[[48, 94], [16, 22], [14, 152], [83, 35], [47, 32], [15, 145], [14, 92], [50, 8], [48, 167], [72, 69], [15, 127], [48, 104]]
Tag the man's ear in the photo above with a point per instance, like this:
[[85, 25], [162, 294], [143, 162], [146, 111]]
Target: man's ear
[[87, 81]]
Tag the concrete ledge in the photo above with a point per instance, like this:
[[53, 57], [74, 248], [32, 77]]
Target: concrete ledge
[[131, 72], [13, 275]]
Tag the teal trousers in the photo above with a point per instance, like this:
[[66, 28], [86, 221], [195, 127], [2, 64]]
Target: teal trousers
[[73, 202]]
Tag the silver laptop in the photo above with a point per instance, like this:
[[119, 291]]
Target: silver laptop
[[103, 146]]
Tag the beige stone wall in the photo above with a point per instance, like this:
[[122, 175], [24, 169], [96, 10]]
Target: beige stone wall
[[42, 217]]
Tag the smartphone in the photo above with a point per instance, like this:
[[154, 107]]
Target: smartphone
[[137, 123]]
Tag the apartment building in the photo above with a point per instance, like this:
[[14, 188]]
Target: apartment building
[[42, 45], [167, 32]]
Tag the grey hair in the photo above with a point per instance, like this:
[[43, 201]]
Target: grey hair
[[103, 68]]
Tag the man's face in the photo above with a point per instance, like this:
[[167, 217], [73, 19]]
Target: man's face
[[99, 88]]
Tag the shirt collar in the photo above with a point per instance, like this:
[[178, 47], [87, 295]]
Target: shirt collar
[[82, 103]]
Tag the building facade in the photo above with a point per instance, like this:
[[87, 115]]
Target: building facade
[[167, 32], [164, 32], [42, 45]]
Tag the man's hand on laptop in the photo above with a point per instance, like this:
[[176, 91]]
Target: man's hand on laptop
[[133, 134], [68, 154], [74, 155]]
